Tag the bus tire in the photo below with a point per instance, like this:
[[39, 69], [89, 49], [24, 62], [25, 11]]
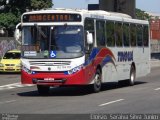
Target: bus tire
[[43, 90], [132, 78], [97, 82]]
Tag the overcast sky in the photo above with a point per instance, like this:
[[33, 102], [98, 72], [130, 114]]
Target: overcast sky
[[146, 5]]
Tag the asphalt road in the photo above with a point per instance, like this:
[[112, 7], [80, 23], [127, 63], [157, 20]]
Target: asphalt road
[[144, 97]]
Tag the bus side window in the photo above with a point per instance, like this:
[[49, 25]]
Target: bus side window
[[145, 36], [118, 34], [100, 33], [139, 35], [133, 34], [126, 38], [110, 33]]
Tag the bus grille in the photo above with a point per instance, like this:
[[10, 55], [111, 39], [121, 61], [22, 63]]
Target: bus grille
[[50, 63]]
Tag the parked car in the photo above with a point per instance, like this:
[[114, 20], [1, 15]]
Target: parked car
[[10, 62]]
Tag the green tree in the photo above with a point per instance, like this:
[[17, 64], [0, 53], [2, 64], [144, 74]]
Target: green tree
[[142, 15], [39, 4], [11, 11]]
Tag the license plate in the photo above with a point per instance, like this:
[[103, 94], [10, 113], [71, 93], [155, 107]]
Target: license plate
[[49, 79], [9, 67]]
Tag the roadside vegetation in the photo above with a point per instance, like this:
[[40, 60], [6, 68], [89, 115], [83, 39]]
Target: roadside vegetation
[[11, 11]]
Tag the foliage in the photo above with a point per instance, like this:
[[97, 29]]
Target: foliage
[[39, 4], [8, 20], [10, 12], [142, 15]]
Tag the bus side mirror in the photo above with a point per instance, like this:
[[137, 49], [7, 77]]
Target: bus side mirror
[[17, 33], [89, 38]]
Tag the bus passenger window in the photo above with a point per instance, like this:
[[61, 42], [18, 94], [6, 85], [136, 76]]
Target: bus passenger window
[[118, 34], [145, 36], [126, 34], [139, 35], [110, 33], [133, 34], [100, 33]]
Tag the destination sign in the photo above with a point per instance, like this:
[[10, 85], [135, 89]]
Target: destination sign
[[52, 17]]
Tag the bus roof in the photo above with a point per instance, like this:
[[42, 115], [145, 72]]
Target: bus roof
[[80, 11]]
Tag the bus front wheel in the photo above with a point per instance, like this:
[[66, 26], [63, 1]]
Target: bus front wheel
[[97, 81]]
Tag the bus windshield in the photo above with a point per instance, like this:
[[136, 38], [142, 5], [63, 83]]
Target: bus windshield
[[39, 41]]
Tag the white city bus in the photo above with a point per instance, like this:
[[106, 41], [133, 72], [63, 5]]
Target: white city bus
[[80, 47]]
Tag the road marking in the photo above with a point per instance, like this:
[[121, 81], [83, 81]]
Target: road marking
[[157, 89], [10, 101], [110, 102], [14, 85]]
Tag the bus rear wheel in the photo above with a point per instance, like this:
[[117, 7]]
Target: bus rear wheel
[[97, 82], [132, 78], [43, 90]]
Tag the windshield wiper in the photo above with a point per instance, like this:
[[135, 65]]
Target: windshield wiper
[[40, 31]]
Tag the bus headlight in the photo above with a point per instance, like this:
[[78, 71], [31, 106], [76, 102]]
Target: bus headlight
[[26, 70], [74, 70]]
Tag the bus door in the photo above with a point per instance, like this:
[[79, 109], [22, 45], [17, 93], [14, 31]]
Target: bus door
[[89, 29]]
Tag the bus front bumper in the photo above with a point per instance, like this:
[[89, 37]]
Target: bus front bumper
[[52, 79]]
